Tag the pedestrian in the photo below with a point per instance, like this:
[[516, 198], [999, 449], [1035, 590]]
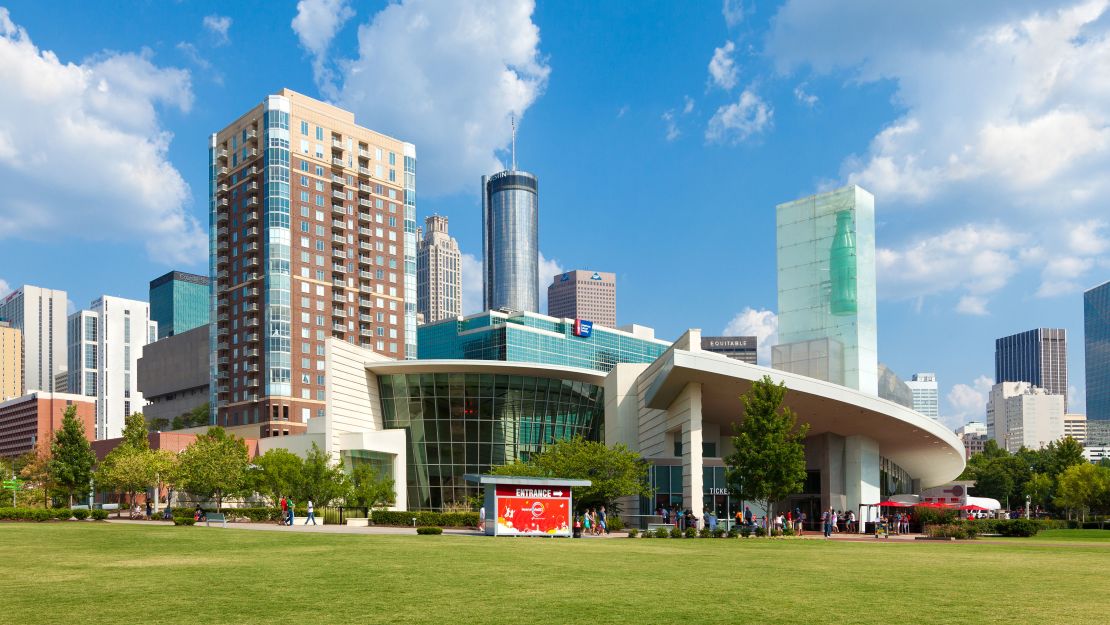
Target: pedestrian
[[604, 520], [482, 518], [835, 517], [284, 509], [801, 523], [311, 515], [826, 522], [289, 518], [852, 522], [586, 521], [149, 510]]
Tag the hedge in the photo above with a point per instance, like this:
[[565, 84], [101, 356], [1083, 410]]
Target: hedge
[[50, 514], [425, 518], [184, 520], [256, 515], [429, 531]]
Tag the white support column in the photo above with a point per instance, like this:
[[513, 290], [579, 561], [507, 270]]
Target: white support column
[[687, 408], [861, 476]]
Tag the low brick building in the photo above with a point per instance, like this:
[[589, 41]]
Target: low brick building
[[36, 416]]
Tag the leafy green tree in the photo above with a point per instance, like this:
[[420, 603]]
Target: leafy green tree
[[165, 466], [71, 456], [370, 488], [278, 472], [127, 471], [1040, 489], [135, 432], [214, 466], [769, 462], [1062, 455], [1083, 488], [614, 472], [322, 481], [161, 424]]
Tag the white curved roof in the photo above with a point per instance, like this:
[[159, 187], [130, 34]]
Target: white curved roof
[[393, 367]]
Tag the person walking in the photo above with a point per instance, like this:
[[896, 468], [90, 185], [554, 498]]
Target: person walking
[[747, 516], [149, 510], [311, 515], [603, 518], [482, 519], [284, 509], [826, 522], [835, 514], [801, 523], [289, 516]]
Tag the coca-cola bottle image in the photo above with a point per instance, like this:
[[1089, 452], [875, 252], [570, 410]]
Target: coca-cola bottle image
[[842, 267]]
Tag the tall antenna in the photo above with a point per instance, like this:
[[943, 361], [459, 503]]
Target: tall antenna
[[512, 120]]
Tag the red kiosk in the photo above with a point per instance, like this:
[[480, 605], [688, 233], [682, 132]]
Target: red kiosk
[[527, 506]]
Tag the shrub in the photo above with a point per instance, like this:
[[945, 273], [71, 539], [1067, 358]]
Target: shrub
[[787, 530], [733, 532], [633, 533], [429, 531], [745, 531], [704, 532], [691, 532], [760, 531], [98, 515], [718, 532], [663, 532], [614, 523], [184, 520], [947, 530], [926, 515], [80, 515], [676, 533], [1023, 528], [424, 518]]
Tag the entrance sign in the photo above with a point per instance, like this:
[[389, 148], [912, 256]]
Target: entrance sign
[[528, 506]]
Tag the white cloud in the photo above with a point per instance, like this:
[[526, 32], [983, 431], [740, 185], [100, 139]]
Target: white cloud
[[549, 268], [806, 99], [446, 75], [972, 305], [733, 12], [968, 402], [762, 324], [733, 123], [672, 127], [722, 68], [1086, 238], [316, 23], [471, 284], [4, 288], [687, 105], [218, 25], [83, 151], [622, 111]]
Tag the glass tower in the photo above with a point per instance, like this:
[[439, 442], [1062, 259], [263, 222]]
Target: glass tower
[[826, 286], [510, 241], [1096, 351], [178, 302], [1039, 357]]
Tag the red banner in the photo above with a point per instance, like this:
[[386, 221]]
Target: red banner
[[533, 511]]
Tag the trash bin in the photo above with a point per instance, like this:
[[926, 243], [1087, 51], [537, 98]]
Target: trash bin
[[576, 532]]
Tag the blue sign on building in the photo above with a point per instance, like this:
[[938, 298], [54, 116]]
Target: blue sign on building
[[583, 328]]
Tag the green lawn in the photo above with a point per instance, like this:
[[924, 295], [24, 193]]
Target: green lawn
[[1081, 536], [102, 573]]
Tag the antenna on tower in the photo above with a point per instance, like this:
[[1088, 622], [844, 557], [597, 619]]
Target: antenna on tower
[[512, 120]]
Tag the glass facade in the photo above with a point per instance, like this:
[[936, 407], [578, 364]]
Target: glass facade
[[529, 337], [410, 251], [458, 423], [1096, 351], [1039, 357], [179, 302], [510, 241], [826, 288], [278, 313]]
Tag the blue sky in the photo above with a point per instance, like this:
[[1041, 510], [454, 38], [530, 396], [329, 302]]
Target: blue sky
[[663, 135]]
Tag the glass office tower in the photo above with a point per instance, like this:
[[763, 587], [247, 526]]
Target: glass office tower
[[510, 241], [1039, 357], [1096, 351], [179, 302], [826, 286]]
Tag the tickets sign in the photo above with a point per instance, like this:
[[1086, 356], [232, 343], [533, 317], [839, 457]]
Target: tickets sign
[[533, 510]]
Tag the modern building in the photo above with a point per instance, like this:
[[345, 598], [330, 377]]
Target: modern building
[[742, 348], [11, 361], [974, 436], [173, 375], [893, 387], [1097, 444], [438, 271], [40, 314], [1039, 357], [826, 288], [106, 343], [535, 338], [433, 421], [510, 241], [1075, 426], [926, 395], [33, 418], [1096, 351], [312, 235], [583, 294], [1022, 415], [179, 302]]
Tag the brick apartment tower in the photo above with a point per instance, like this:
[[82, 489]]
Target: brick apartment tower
[[11, 361], [438, 271], [580, 294], [313, 235]]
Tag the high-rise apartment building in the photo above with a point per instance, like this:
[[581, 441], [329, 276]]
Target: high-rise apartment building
[[1096, 351], [11, 361], [826, 288], [1022, 415], [1039, 357], [926, 395], [743, 348], [510, 241], [583, 294], [105, 344], [438, 271], [40, 314], [1075, 426], [179, 302], [313, 235], [974, 436]]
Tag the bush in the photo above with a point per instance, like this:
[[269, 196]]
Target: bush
[[926, 515], [614, 523], [633, 533], [429, 531], [704, 532], [718, 532], [733, 532], [98, 515], [80, 515], [184, 520], [760, 531], [663, 532], [745, 531], [947, 530], [691, 532], [676, 533], [1023, 528], [424, 518], [787, 530]]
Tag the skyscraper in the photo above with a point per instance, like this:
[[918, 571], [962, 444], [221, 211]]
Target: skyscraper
[[926, 396], [826, 288], [438, 271], [1039, 357], [583, 294], [40, 314], [179, 302], [313, 235], [106, 343], [1022, 415], [11, 361], [1096, 351], [510, 241]]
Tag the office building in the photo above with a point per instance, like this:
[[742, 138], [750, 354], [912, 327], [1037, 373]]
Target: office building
[[1022, 415], [33, 418], [826, 288], [11, 361], [1039, 357], [173, 376], [926, 396], [106, 343], [974, 436], [583, 294], [535, 338], [742, 348], [313, 235], [179, 302], [438, 272], [1096, 351], [510, 241], [1075, 426], [40, 314], [893, 388]]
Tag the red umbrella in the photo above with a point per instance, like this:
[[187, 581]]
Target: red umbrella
[[892, 504], [974, 508]]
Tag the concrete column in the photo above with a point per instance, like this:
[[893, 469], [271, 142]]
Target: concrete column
[[861, 475], [687, 407]]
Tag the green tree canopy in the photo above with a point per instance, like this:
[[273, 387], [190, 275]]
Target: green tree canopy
[[370, 488], [71, 456], [278, 472], [134, 432], [768, 463], [1084, 488], [126, 470], [214, 466], [322, 481]]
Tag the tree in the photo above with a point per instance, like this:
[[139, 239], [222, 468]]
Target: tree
[[166, 468], [134, 432], [278, 472], [36, 470], [196, 417], [370, 488], [1040, 489], [614, 472], [71, 456], [322, 481], [769, 462], [161, 424], [1083, 488], [215, 465], [126, 470]]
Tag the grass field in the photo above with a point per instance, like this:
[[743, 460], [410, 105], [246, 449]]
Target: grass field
[[103, 573]]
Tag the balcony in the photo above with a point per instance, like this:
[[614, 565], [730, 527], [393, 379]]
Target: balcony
[[250, 217], [335, 238], [366, 232], [366, 203], [252, 307], [223, 390], [337, 162], [222, 317], [251, 186], [338, 268], [366, 332], [338, 327], [339, 312], [250, 368], [336, 143], [365, 288], [252, 134], [222, 331], [251, 352], [221, 188], [221, 154], [222, 360], [365, 260], [337, 209], [222, 346], [221, 232], [362, 171], [338, 297], [251, 233], [363, 153], [253, 336], [252, 152], [251, 201], [252, 382], [365, 188], [250, 292], [338, 223], [250, 247], [366, 246], [221, 171], [366, 275], [221, 217], [366, 318], [221, 202], [339, 282], [221, 275], [365, 303], [339, 195], [250, 261], [221, 261]]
